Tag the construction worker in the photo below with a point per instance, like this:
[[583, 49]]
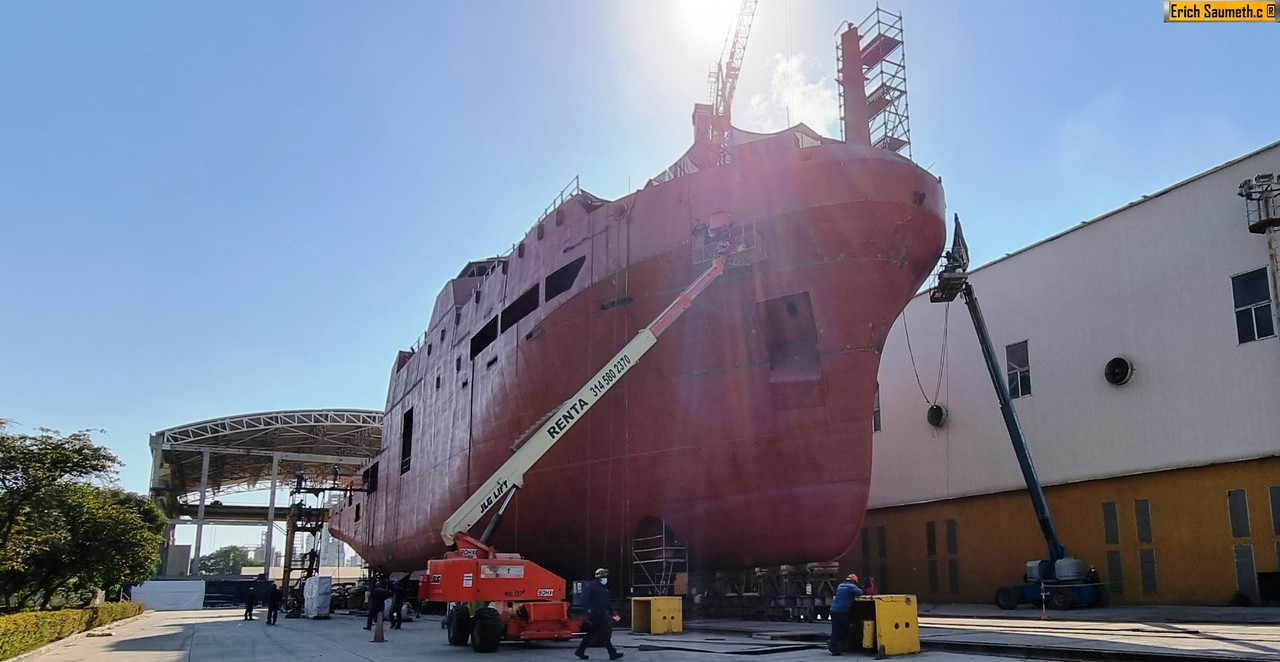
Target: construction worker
[[397, 602], [600, 632], [250, 602], [842, 611], [377, 602], [274, 598]]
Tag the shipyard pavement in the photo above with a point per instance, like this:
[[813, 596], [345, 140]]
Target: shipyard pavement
[[951, 633], [222, 636]]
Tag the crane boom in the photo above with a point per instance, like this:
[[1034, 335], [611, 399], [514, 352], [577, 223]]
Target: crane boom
[[510, 476], [731, 65], [724, 79]]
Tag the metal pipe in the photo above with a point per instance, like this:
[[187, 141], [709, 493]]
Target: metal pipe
[[204, 482], [497, 517], [267, 552], [857, 130]]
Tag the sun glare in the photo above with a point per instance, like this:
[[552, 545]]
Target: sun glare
[[709, 21]]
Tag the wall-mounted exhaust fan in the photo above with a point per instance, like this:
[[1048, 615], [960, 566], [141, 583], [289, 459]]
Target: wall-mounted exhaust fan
[[1119, 371]]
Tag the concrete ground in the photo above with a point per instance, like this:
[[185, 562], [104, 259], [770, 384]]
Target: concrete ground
[[953, 633]]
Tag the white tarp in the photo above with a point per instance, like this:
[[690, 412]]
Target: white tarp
[[317, 592], [171, 596]]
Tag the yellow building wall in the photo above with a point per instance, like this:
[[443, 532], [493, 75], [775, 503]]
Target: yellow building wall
[[995, 535]]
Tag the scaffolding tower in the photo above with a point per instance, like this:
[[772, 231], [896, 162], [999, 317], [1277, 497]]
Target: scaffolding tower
[[655, 563], [884, 71]]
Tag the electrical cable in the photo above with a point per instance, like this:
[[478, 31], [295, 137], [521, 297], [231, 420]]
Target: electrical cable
[[912, 354]]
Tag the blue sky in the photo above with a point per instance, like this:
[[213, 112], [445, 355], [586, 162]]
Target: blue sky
[[217, 208]]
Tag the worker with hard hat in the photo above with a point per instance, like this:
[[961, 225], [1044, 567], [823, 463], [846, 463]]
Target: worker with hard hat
[[600, 631], [842, 611]]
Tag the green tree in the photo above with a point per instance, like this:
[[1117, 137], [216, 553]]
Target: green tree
[[92, 541], [32, 464], [226, 561], [60, 535]]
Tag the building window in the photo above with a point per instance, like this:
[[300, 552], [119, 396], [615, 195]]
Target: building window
[[880, 555], [1147, 571], [1275, 509], [406, 440], [1110, 524], [1142, 515], [934, 562], [1115, 573], [370, 478], [357, 512], [1253, 306], [953, 563], [875, 413], [1018, 369], [1246, 572], [1238, 511]]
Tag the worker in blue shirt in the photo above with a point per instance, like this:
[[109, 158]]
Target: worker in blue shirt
[[842, 611], [600, 633]]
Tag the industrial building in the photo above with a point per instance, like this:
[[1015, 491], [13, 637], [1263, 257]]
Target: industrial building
[[1141, 352]]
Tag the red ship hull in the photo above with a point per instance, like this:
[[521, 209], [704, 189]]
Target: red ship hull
[[746, 430]]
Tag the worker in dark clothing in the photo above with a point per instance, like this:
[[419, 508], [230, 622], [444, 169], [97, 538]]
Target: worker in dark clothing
[[274, 599], [397, 602], [250, 602], [377, 602], [600, 632], [842, 611]]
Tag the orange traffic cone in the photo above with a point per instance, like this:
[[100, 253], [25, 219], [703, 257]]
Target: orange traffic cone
[[377, 630]]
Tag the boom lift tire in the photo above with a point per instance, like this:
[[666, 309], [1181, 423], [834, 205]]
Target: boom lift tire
[[486, 630], [1062, 597], [1007, 598], [458, 624]]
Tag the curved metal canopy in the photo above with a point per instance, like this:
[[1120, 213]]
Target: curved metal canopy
[[242, 449]]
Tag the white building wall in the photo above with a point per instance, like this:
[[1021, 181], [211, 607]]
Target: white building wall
[[1150, 282]]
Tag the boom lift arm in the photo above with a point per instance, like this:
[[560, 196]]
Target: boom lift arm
[[953, 280], [524, 601], [510, 476], [1066, 576]]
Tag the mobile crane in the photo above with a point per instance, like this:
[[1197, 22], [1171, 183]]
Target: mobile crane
[[1059, 581], [522, 600]]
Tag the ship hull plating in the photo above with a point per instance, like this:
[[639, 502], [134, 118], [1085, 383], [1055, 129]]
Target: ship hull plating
[[747, 429]]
